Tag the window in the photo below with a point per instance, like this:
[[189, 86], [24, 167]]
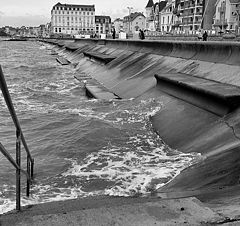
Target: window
[[56, 30]]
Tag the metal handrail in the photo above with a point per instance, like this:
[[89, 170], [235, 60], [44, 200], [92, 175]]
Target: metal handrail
[[19, 138], [11, 160]]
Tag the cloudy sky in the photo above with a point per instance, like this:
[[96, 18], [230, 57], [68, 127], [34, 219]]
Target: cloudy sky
[[35, 12]]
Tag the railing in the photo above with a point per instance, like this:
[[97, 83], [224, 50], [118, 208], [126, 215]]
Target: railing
[[19, 138]]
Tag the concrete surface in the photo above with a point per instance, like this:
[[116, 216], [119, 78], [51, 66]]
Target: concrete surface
[[116, 211]]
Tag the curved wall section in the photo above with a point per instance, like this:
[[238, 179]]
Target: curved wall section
[[217, 52]]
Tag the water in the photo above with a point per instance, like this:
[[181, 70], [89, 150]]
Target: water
[[82, 147]]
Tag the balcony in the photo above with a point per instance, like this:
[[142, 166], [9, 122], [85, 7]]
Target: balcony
[[220, 23]]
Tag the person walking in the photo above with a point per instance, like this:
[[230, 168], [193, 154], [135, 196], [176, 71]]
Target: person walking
[[141, 34], [113, 33], [205, 36]]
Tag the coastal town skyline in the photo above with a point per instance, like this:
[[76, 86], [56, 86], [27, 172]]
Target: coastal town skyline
[[34, 13]]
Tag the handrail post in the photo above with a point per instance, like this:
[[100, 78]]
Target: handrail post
[[32, 168], [18, 171], [29, 178], [19, 138]]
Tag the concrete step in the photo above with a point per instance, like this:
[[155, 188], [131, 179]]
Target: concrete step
[[212, 96], [62, 61], [94, 89], [105, 58]]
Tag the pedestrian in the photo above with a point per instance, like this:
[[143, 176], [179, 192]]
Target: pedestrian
[[205, 36], [141, 34], [113, 33]]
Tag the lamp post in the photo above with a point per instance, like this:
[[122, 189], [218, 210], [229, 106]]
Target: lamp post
[[158, 15], [129, 13], [238, 17]]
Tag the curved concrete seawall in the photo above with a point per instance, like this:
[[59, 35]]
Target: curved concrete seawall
[[198, 84]]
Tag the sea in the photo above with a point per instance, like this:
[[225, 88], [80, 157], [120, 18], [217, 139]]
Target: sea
[[82, 147]]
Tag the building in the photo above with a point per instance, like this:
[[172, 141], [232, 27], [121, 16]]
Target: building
[[134, 22], [73, 19], [208, 14], [118, 25], [158, 7], [150, 24], [191, 14], [10, 30], [227, 15], [102, 24], [166, 17]]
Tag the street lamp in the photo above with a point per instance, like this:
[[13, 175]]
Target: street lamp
[[238, 17], [129, 13]]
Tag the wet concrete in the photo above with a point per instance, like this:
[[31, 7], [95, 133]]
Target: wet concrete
[[116, 211]]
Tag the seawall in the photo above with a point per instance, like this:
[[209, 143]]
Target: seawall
[[199, 86]]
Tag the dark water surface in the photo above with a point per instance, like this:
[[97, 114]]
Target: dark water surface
[[81, 147]]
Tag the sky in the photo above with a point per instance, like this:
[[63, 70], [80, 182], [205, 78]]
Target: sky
[[19, 13]]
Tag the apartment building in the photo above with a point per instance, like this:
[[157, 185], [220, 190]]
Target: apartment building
[[118, 25], [103, 24], [73, 19], [166, 17], [193, 15], [227, 15], [134, 22], [150, 23], [191, 12]]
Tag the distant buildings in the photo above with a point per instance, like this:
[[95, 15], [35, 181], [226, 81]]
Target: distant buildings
[[150, 18], [165, 16], [103, 24], [179, 15], [118, 25], [134, 22], [73, 19], [227, 15]]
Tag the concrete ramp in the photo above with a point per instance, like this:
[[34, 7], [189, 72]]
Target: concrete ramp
[[117, 211]]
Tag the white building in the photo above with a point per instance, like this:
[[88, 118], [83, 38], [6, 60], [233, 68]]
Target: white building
[[150, 23], [227, 15], [134, 22], [118, 25], [166, 17], [73, 19]]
